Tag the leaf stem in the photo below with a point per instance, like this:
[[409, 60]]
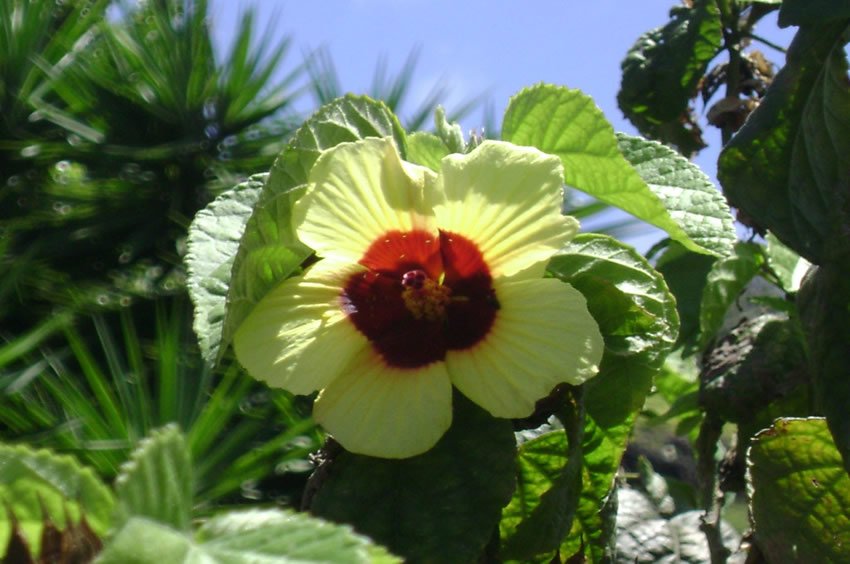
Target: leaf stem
[[711, 494], [760, 39]]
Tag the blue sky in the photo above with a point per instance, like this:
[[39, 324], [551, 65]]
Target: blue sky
[[497, 46]]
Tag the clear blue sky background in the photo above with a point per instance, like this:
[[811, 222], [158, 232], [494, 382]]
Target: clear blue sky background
[[495, 46]]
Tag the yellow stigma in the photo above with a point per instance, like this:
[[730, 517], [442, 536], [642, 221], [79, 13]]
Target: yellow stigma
[[428, 301]]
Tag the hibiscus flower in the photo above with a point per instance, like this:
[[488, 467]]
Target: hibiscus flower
[[425, 281]]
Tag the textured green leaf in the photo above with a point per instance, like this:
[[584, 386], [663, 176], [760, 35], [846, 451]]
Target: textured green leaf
[[270, 251], [528, 527], [799, 493], [685, 273], [349, 118], [638, 320], [662, 70], [212, 244], [426, 149], [785, 168], [643, 535], [568, 124], [549, 475], [547, 489], [725, 281], [688, 194], [824, 306], [808, 12], [242, 537], [594, 527], [463, 481], [783, 262], [636, 315], [156, 482], [38, 484]]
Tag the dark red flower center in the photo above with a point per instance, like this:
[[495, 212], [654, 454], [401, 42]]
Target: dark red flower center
[[421, 296]]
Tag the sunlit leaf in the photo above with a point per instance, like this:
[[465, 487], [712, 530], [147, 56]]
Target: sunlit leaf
[[799, 493], [426, 149], [636, 314], [212, 244], [688, 194], [242, 538], [37, 484], [568, 124]]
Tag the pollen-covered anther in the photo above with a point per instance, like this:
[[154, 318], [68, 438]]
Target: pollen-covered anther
[[424, 298]]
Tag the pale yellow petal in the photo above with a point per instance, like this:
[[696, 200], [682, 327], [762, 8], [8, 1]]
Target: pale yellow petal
[[358, 192], [297, 337], [543, 335], [388, 412], [507, 200]]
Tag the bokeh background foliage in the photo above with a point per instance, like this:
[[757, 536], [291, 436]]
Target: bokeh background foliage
[[146, 183]]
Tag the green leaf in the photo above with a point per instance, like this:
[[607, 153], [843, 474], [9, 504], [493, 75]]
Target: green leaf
[[440, 506], [644, 536], [662, 70], [785, 167], [36, 485], [349, 118], [426, 149], [544, 473], [593, 528], [638, 320], [549, 473], [725, 281], [824, 306], [688, 194], [212, 245], [783, 262], [685, 273], [270, 251], [636, 315], [156, 482], [242, 537], [568, 124], [799, 493], [809, 12]]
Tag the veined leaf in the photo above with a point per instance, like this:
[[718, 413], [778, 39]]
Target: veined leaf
[[799, 493], [824, 304], [568, 124], [638, 320], [241, 538], [212, 245], [725, 281], [156, 483], [464, 481], [549, 482], [349, 118], [38, 485], [270, 251], [636, 315], [426, 149], [687, 193], [663, 68], [785, 167]]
